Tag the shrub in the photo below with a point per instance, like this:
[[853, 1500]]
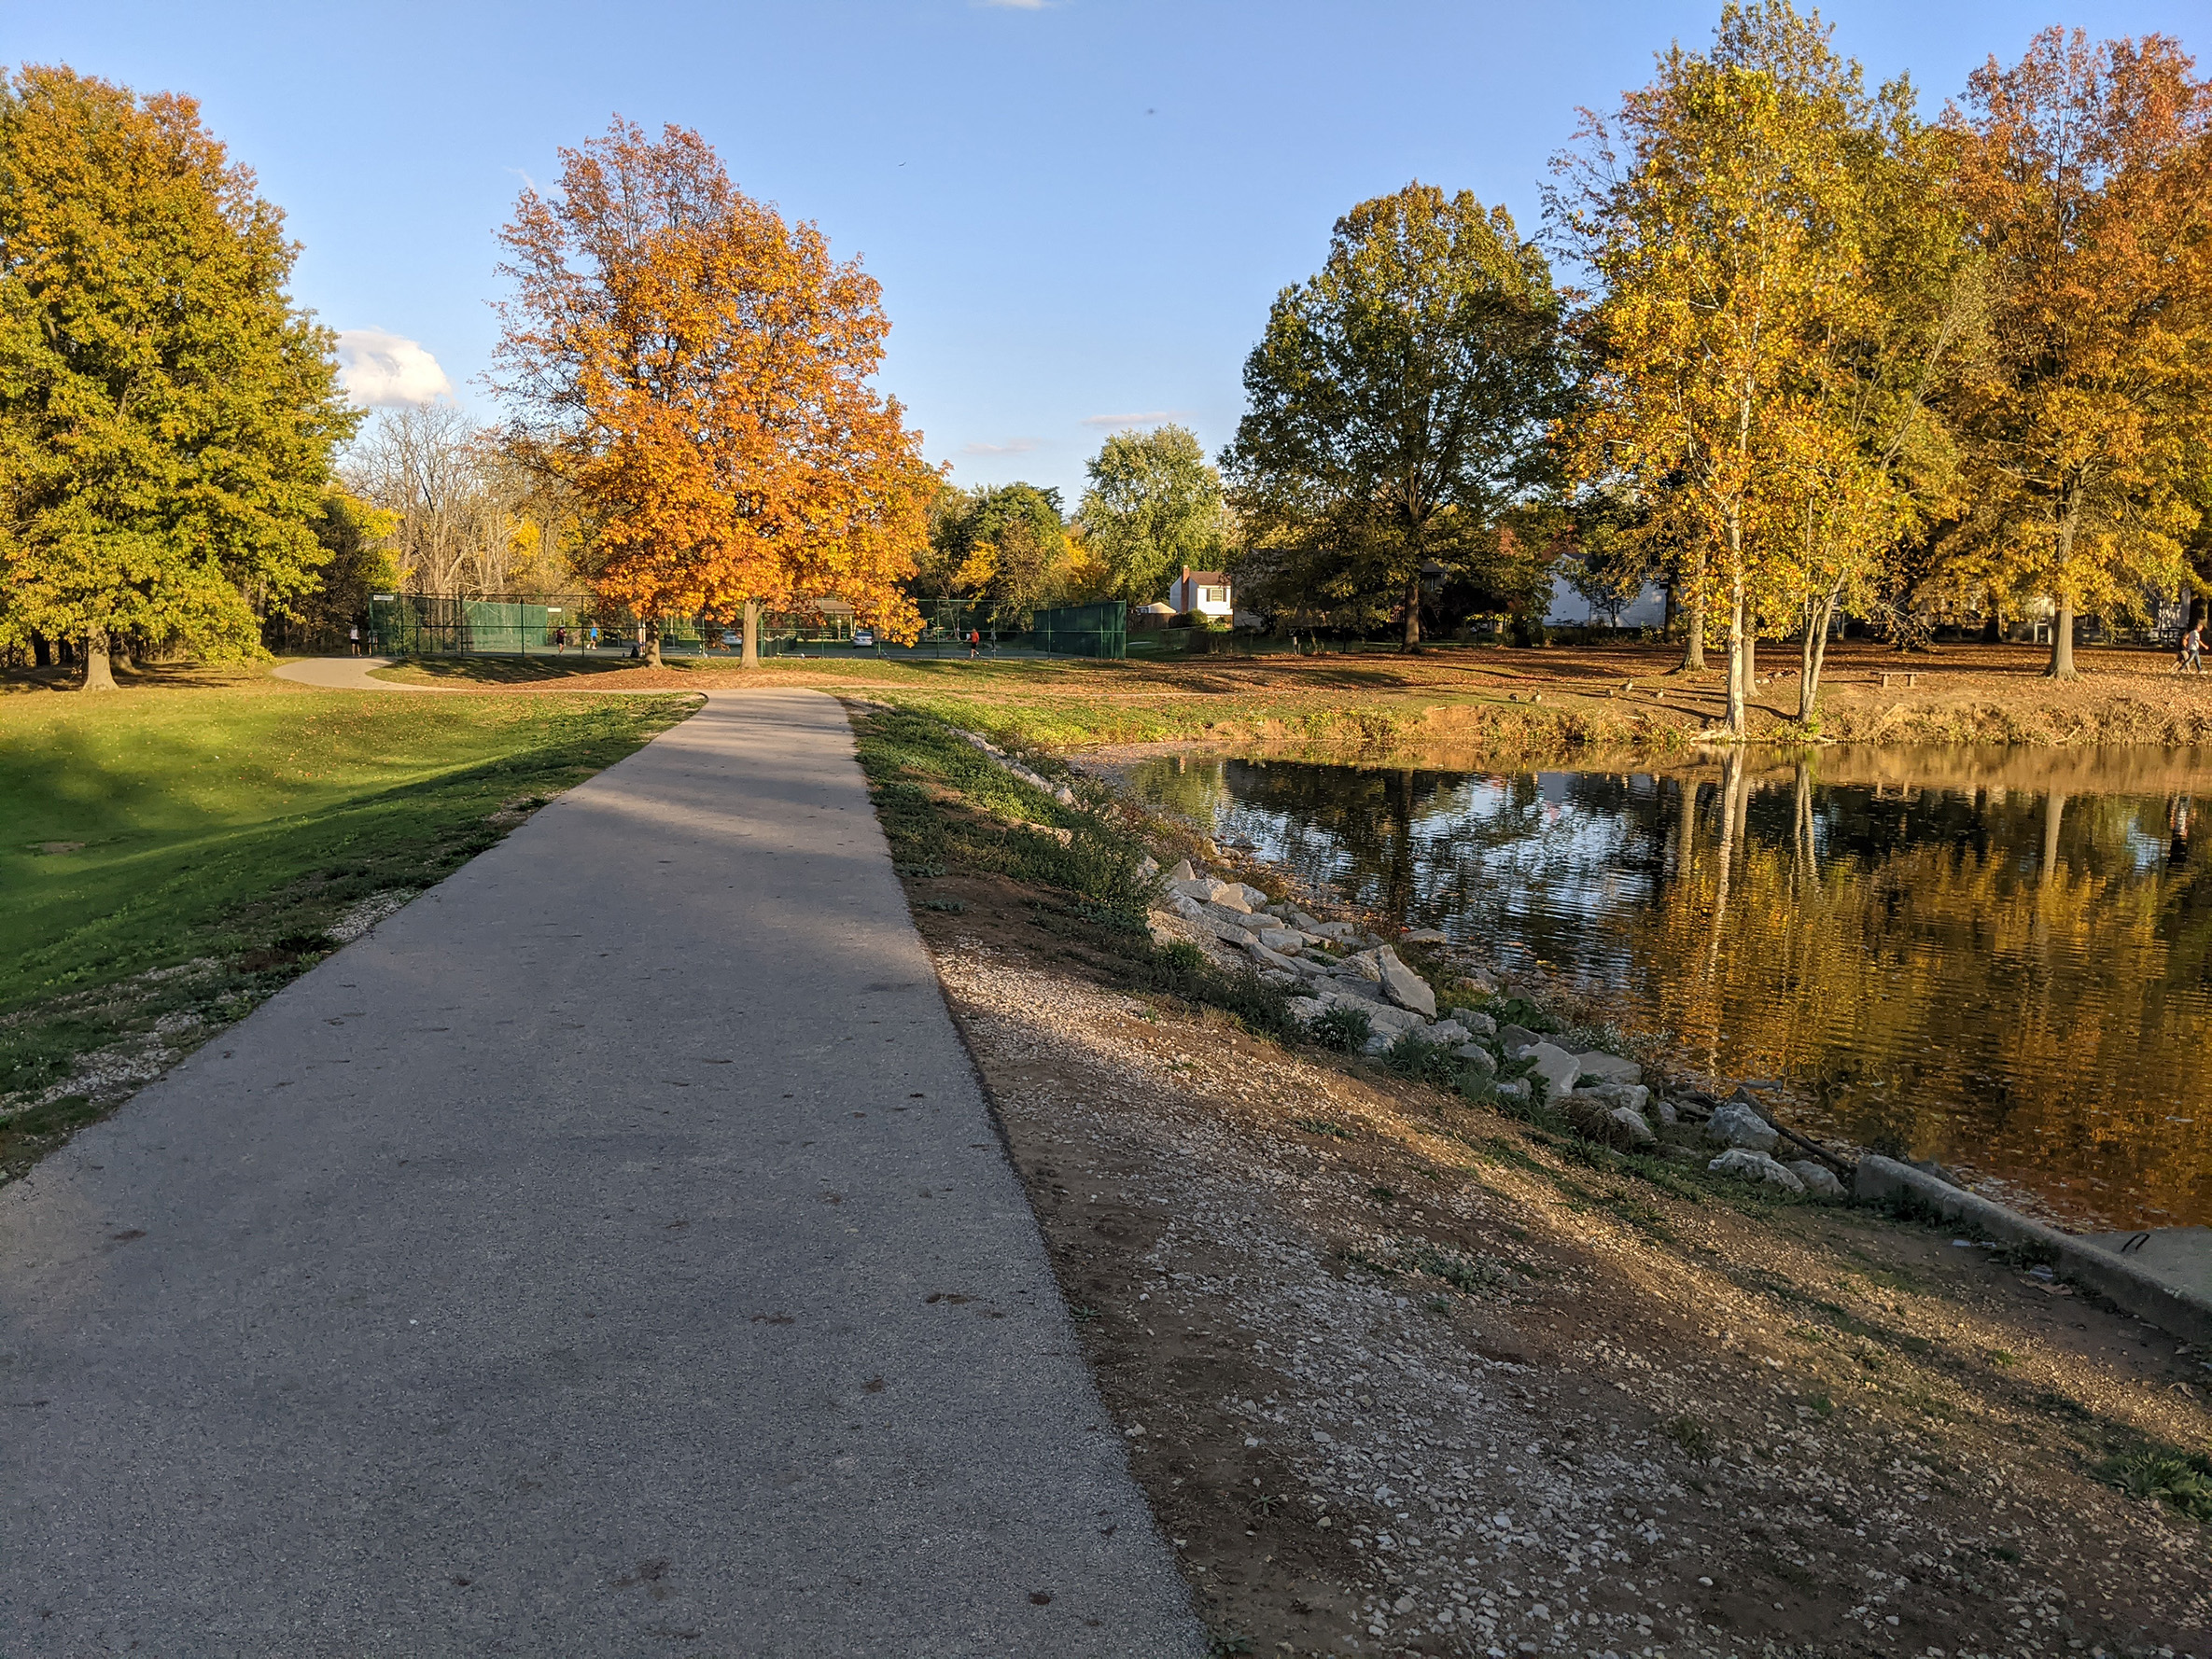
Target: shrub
[[1343, 1029]]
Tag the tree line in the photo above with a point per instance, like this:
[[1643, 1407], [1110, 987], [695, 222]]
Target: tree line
[[1821, 356], [1832, 357]]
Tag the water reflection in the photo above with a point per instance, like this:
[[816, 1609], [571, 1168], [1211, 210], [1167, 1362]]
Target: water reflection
[[2001, 961]]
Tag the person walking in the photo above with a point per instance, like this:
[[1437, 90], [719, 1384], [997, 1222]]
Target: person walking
[[974, 643], [2192, 650], [353, 640]]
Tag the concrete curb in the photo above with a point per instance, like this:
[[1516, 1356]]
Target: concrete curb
[[2183, 1314]]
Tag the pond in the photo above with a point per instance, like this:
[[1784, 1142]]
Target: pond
[[1999, 958]]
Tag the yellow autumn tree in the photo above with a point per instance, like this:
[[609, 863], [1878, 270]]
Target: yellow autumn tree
[[698, 372], [1716, 211]]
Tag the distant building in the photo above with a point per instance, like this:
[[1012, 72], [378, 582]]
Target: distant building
[[1570, 610], [1200, 592]]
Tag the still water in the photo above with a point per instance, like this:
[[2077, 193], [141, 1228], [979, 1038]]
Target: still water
[[2002, 958]]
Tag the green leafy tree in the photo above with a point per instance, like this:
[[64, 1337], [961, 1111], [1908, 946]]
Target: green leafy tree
[[359, 541], [1400, 401], [167, 415], [1001, 548], [1154, 506]]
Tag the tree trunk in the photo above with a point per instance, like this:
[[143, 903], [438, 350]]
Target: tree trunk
[[2054, 811], [1813, 656], [751, 657], [1693, 633], [1993, 627], [1412, 610], [1735, 713], [1671, 610], [652, 642], [97, 676], [1750, 656], [2061, 641], [42, 650]]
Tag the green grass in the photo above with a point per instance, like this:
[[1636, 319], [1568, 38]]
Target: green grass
[[169, 858]]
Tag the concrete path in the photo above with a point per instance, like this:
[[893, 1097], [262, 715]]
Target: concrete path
[[348, 674], [611, 1254]]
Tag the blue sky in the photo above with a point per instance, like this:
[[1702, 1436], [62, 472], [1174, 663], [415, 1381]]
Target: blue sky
[[1079, 210]]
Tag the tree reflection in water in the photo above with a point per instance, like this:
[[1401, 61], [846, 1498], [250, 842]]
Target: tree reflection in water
[[2001, 962]]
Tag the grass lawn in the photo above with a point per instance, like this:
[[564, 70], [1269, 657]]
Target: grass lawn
[[1496, 701], [170, 857]]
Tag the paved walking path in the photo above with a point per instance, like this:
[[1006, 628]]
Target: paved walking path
[[611, 1254]]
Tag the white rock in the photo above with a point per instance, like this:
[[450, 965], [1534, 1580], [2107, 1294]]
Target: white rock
[[1426, 936], [1404, 986], [1480, 1024], [1557, 1068], [1366, 966], [1514, 1089], [1377, 1042], [1665, 1112], [1478, 1058], [1308, 1007], [1268, 958], [1736, 1124], [1450, 1031], [1635, 1097], [1230, 895], [1285, 940], [1818, 1179], [1755, 1166], [1632, 1125], [1311, 925], [1397, 1020], [1148, 867], [1182, 873], [1235, 917], [1610, 1068], [1253, 898]]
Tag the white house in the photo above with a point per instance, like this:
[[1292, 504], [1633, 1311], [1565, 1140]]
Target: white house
[[1200, 592]]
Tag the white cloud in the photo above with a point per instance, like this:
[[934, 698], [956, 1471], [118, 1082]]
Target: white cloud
[[1150, 418], [1013, 446], [382, 370], [1013, 4]]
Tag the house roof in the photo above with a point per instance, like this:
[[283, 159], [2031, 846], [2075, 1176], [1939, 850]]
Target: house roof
[[1208, 578]]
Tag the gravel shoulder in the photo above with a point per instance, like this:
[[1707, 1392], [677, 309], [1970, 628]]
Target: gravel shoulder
[[1635, 1423]]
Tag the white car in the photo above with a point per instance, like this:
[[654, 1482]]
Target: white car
[[864, 636]]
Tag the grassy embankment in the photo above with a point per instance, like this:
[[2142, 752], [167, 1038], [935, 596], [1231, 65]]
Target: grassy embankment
[[171, 857], [1458, 701]]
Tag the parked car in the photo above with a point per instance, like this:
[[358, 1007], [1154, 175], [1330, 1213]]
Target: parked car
[[864, 636]]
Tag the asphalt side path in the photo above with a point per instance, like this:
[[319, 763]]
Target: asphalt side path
[[612, 1253]]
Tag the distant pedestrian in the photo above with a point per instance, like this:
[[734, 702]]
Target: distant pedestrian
[[975, 642], [2192, 650], [352, 639]]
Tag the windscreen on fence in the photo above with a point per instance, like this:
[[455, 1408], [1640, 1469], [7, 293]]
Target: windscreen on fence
[[433, 624], [1082, 629]]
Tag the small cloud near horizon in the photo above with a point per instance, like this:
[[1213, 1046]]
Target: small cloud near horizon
[[1013, 4], [1152, 418], [1013, 446], [381, 371]]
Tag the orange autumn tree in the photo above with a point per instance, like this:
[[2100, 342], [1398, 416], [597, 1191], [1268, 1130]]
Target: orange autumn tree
[[698, 372], [2085, 173]]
